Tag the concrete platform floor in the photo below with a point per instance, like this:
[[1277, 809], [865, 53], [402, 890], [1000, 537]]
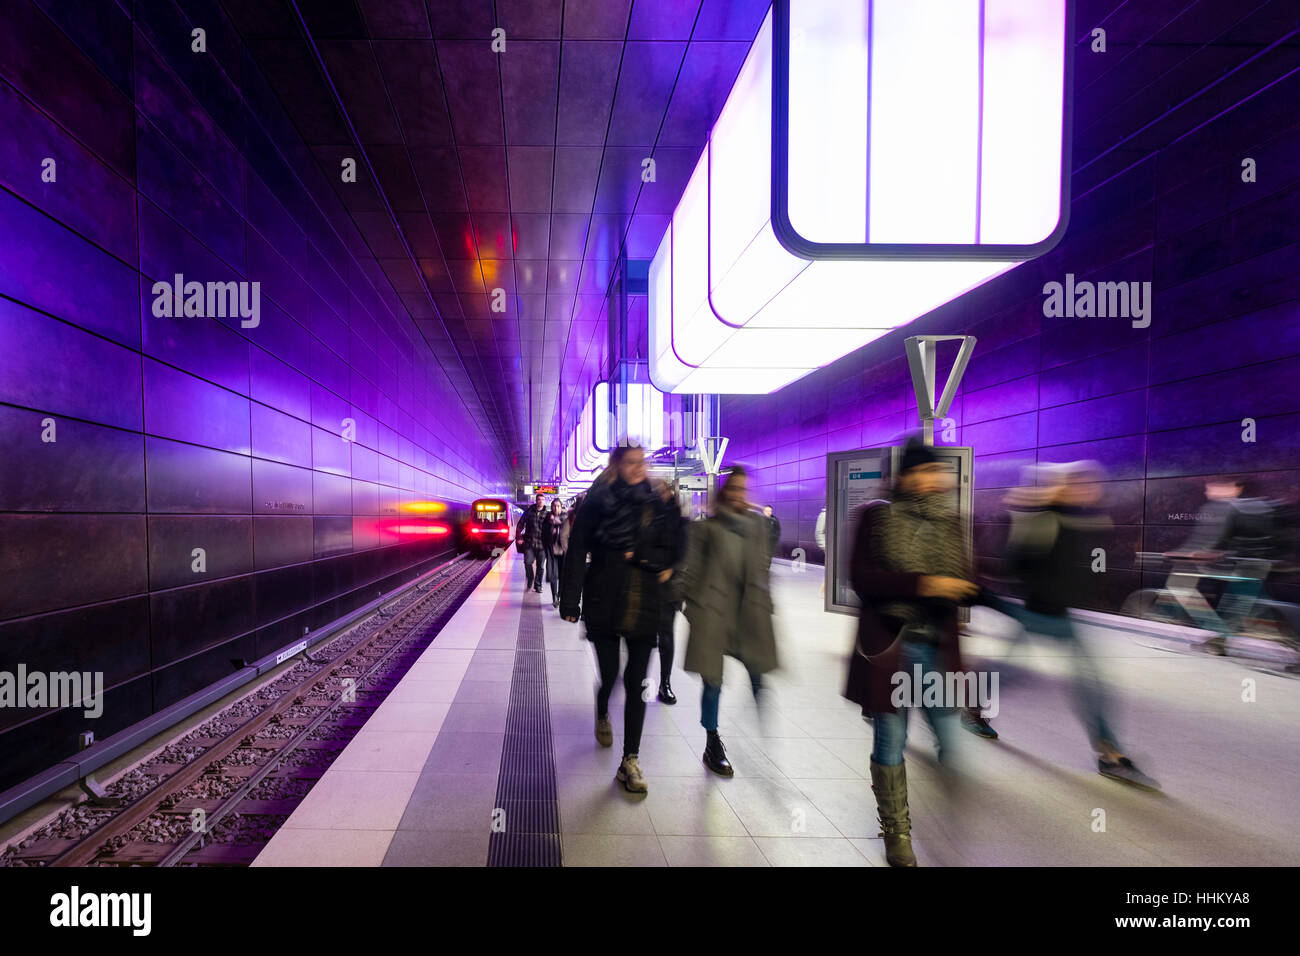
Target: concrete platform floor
[[417, 786]]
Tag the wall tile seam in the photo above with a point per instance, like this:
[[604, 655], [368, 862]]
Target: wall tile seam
[[142, 351], [308, 193], [251, 575]]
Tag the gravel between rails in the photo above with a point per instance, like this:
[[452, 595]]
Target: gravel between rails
[[296, 772]]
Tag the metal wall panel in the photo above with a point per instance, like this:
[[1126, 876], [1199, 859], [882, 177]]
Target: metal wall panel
[[54, 561], [189, 479], [87, 467], [226, 542], [281, 539]]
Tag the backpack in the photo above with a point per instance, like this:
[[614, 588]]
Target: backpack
[[1260, 528]]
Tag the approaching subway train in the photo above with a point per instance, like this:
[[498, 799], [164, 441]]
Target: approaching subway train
[[491, 525]]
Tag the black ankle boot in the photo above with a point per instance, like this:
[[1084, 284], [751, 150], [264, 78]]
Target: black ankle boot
[[666, 694], [715, 756]]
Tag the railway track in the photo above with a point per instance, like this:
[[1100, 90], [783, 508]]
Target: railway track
[[216, 796]]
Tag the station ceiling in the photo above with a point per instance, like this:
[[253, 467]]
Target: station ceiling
[[518, 170]]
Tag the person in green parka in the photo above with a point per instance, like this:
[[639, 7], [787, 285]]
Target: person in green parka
[[728, 604]]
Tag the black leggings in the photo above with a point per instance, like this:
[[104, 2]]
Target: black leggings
[[638, 661], [666, 622]]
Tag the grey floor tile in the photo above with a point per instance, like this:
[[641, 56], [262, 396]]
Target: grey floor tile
[[451, 801], [465, 753], [483, 692], [479, 671], [712, 851], [804, 757], [787, 851], [438, 848], [680, 806], [582, 849], [492, 655], [595, 805], [775, 808], [476, 718]]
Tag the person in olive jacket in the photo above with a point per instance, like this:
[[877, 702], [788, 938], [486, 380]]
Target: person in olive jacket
[[728, 604]]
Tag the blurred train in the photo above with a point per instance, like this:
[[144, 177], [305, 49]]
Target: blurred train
[[491, 525], [449, 526]]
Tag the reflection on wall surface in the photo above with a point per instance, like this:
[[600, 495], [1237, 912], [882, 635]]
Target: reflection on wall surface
[[302, 455]]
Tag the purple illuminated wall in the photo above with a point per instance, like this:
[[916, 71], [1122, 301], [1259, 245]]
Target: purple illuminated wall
[[1159, 197], [172, 434]]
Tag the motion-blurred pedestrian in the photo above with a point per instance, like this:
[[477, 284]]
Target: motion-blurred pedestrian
[[528, 536], [554, 538], [1239, 537], [773, 531], [728, 604], [911, 570], [1055, 528], [618, 595], [668, 551]]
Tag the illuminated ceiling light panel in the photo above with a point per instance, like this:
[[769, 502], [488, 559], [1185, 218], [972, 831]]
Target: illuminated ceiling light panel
[[916, 150], [644, 417], [682, 427], [583, 462], [575, 472]]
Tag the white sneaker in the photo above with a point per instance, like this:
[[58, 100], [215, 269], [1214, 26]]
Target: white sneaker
[[629, 774]]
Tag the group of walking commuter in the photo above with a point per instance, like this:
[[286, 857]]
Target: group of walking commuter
[[912, 571], [646, 563], [625, 560], [543, 537]]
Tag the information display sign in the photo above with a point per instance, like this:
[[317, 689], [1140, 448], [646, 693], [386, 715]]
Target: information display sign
[[854, 479]]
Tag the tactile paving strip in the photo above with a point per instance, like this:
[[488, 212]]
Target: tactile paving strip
[[526, 820]]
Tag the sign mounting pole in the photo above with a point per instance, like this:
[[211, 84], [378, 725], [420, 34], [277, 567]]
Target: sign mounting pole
[[921, 360]]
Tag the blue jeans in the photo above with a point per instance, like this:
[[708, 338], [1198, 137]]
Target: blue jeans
[[1239, 595], [890, 730], [712, 697], [1089, 691]]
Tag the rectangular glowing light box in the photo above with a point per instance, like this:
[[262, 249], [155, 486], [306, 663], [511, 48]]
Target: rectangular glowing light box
[[637, 415], [582, 461], [874, 160]]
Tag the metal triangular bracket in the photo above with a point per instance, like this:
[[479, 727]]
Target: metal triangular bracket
[[921, 355], [95, 793], [711, 452]]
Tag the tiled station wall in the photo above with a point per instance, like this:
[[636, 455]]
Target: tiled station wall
[[1161, 407], [178, 433]]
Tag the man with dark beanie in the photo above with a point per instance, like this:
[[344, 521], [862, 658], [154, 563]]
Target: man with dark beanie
[[911, 570]]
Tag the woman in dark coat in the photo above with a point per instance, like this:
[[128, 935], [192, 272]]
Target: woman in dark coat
[[554, 541], [728, 604], [619, 594], [667, 551], [911, 570]]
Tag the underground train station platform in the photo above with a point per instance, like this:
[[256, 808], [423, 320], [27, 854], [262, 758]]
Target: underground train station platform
[[422, 783], [965, 331]]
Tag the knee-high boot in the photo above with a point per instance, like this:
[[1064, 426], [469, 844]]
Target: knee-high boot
[[890, 786]]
